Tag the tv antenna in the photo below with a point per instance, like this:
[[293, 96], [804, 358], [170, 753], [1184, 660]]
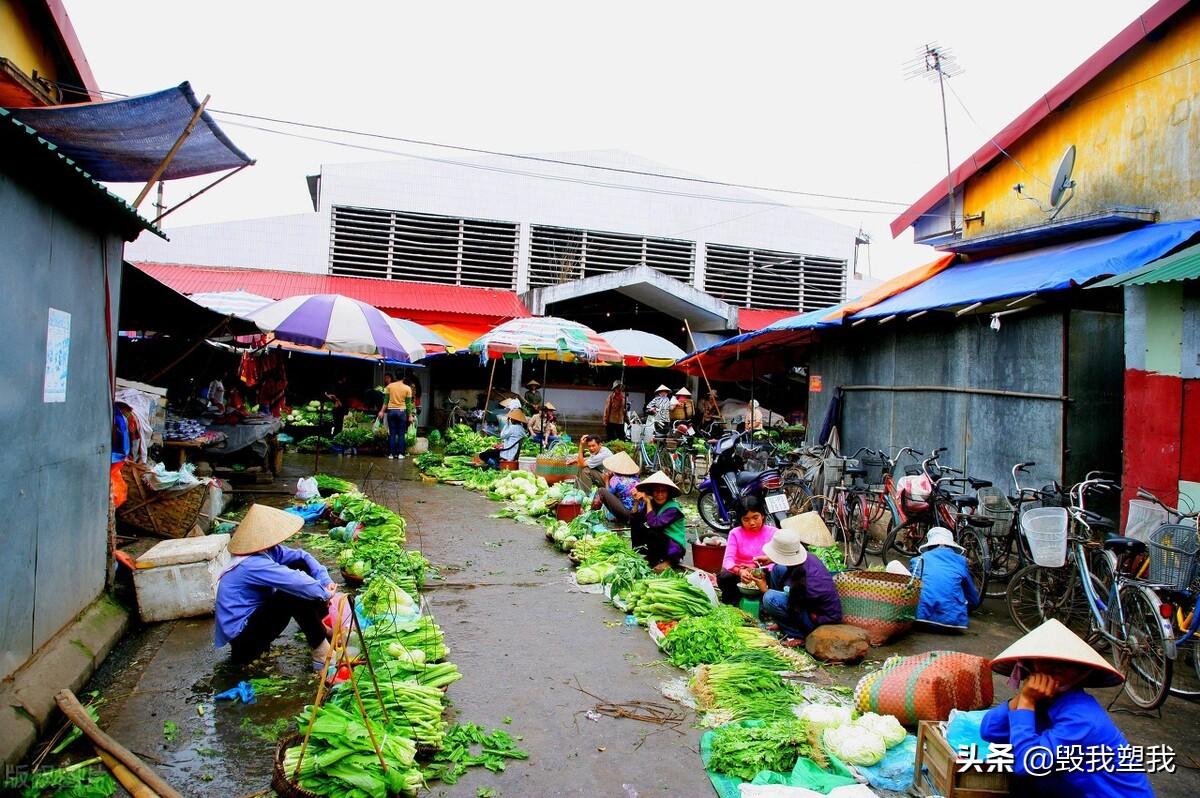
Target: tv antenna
[[934, 60], [861, 239], [1062, 189]]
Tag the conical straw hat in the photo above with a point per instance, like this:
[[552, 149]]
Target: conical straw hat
[[812, 529], [262, 528], [683, 392], [1053, 641], [662, 388], [517, 414], [621, 463], [658, 479]]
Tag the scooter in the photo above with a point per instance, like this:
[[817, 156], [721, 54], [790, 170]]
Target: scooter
[[727, 483]]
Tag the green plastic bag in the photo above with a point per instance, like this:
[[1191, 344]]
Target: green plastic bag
[[806, 773]]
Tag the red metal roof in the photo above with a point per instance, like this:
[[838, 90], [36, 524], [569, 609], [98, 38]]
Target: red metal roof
[[750, 319], [1102, 59], [406, 298]]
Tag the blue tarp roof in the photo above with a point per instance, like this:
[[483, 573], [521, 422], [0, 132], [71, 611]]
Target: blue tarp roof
[[124, 141], [1048, 269], [802, 321]]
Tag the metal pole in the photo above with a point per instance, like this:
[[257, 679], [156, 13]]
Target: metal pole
[[487, 397], [937, 65]]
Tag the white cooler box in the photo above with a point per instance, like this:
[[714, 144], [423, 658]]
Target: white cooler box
[[178, 578]]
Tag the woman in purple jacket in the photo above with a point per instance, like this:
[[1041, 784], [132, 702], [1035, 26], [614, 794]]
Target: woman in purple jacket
[[798, 593], [266, 585]]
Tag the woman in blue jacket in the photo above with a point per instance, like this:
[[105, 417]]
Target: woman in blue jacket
[[947, 590], [1051, 717]]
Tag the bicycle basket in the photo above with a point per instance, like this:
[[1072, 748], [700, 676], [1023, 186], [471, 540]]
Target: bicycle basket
[[1046, 530], [1144, 518], [875, 467], [835, 470], [672, 443], [1173, 555], [994, 505]]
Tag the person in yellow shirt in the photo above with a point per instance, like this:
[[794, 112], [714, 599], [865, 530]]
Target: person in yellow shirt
[[395, 408]]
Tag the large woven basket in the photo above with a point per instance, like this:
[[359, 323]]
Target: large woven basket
[[164, 513], [280, 781], [883, 603], [926, 686]]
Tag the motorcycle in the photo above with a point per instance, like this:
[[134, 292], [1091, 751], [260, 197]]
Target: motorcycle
[[727, 482]]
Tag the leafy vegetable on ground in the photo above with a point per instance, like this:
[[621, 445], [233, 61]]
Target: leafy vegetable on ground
[[743, 750], [706, 639], [667, 598], [458, 752], [330, 484], [340, 759], [744, 691]]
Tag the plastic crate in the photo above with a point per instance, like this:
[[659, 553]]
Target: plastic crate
[[1173, 555]]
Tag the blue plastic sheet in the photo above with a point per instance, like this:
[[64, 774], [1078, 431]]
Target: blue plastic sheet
[[895, 770], [244, 692], [309, 512], [1052, 268]]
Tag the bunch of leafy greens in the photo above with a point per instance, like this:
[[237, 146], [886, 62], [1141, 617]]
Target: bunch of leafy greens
[[744, 691], [703, 640], [830, 555], [80, 780], [331, 484], [458, 752], [743, 750]]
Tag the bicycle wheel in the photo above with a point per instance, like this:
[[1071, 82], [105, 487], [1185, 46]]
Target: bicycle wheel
[[905, 539], [975, 549], [1004, 559], [666, 464], [687, 473], [876, 507], [1143, 654], [1036, 594], [856, 529]]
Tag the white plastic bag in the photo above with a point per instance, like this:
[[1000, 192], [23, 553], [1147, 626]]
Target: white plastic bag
[[306, 488], [699, 580]]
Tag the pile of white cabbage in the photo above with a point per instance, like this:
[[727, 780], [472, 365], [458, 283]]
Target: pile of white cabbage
[[528, 494], [861, 741]]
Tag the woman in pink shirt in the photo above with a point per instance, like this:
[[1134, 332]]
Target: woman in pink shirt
[[744, 547]]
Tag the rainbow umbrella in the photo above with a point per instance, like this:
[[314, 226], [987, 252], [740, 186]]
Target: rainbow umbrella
[[545, 338], [639, 348], [335, 324]]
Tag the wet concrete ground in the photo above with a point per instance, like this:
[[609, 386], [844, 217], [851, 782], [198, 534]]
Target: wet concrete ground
[[523, 642]]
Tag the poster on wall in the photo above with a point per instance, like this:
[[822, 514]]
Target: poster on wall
[[58, 351]]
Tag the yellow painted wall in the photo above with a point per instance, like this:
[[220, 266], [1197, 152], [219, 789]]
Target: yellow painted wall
[[25, 42], [1136, 133]]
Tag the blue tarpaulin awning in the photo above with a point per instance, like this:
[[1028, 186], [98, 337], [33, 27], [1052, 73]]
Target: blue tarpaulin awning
[[1042, 270], [124, 141]]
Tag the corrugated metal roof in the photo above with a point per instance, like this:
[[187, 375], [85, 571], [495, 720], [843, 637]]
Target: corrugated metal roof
[[391, 295], [751, 319], [1183, 265], [45, 159], [1102, 59]]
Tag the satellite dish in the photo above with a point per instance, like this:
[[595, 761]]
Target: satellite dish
[[1062, 177]]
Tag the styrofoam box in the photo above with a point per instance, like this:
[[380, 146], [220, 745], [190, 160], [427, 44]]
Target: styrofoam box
[[178, 578]]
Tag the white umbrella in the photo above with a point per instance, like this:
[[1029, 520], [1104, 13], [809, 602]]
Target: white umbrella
[[231, 303], [639, 348]]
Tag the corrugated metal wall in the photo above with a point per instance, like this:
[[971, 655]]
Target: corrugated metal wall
[[54, 457], [985, 434]]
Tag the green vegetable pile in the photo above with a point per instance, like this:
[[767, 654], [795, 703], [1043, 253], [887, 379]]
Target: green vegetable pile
[[327, 484], [428, 460], [457, 753], [743, 691], [830, 555], [340, 760], [744, 749], [666, 598], [461, 439], [706, 639], [81, 780], [313, 443]]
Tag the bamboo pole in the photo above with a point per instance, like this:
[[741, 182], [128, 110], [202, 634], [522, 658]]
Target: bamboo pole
[[700, 363], [487, 397], [135, 786], [162, 167], [367, 721], [366, 652], [75, 712], [317, 702]]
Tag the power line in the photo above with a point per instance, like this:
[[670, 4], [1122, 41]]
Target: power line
[[993, 141]]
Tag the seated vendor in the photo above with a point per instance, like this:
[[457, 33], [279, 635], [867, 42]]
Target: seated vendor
[[592, 454], [744, 544], [543, 427], [1051, 715], [947, 589], [509, 448], [656, 526], [267, 585], [616, 493], [798, 591]]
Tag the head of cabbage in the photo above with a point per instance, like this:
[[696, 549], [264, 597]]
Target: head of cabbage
[[855, 744], [886, 726]]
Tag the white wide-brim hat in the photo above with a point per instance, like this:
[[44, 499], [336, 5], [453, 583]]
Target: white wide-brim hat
[[262, 528], [1054, 641], [939, 536], [785, 548], [811, 528]]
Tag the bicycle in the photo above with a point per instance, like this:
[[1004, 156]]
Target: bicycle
[[1007, 547], [677, 458], [854, 504], [1093, 585], [648, 450], [915, 514]]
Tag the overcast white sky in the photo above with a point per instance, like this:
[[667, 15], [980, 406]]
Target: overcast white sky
[[796, 95]]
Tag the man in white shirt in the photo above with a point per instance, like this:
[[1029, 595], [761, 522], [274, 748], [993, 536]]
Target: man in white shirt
[[592, 454]]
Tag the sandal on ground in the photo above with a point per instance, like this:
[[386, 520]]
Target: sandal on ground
[[772, 627], [792, 642]]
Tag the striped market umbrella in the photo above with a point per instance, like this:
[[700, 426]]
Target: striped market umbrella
[[337, 325], [545, 338], [433, 343], [639, 348], [232, 303]]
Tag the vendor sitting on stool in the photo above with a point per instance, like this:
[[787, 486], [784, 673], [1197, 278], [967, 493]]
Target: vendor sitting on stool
[[798, 592], [1051, 715], [744, 544], [266, 585], [656, 525], [947, 589], [616, 494], [511, 436]]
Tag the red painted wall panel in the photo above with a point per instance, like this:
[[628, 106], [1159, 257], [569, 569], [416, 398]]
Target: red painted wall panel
[[1153, 431], [1189, 458]]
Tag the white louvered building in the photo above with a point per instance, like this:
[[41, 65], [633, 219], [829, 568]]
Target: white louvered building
[[526, 226]]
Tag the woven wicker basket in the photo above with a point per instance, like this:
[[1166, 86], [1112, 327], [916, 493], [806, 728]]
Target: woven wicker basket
[[165, 513], [280, 782]]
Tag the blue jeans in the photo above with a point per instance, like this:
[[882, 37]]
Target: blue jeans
[[775, 605], [397, 421]]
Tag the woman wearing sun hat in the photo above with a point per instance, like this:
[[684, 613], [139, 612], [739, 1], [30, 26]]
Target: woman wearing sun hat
[[509, 447], [266, 585], [798, 592], [659, 408], [617, 493], [1051, 714], [947, 589], [656, 524]]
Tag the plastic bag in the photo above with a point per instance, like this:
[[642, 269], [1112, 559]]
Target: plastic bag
[[702, 581], [306, 488]]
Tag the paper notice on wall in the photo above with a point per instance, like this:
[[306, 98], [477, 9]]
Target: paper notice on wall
[[58, 352]]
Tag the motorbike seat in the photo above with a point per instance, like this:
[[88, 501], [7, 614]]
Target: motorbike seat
[[856, 471], [1122, 546], [746, 477], [979, 483]]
